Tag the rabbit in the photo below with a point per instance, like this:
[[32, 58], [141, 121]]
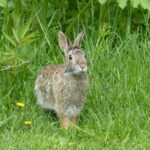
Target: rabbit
[[63, 87]]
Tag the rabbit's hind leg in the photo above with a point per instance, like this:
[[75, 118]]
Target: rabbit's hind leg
[[74, 120], [65, 122], [42, 98]]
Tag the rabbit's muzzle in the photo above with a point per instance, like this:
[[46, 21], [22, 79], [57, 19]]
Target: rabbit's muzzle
[[83, 66]]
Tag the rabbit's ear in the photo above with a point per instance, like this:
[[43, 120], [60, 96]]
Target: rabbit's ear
[[63, 42], [78, 40]]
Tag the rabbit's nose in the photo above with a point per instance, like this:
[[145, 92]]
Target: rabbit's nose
[[82, 65]]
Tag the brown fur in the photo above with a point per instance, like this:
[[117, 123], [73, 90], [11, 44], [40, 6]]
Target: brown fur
[[61, 91]]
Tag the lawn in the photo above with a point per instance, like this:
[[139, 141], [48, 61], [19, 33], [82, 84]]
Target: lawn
[[117, 110]]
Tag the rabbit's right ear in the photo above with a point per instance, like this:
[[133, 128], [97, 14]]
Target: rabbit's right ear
[[63, 42]]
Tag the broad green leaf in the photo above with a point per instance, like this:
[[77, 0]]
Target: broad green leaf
[[10, 39], [15, 33], [145, 4], [135, 3], [122, 3], [24, 29], [102, 1], [3, 3]]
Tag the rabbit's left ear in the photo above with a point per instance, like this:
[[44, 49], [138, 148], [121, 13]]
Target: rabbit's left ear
[[63, 42], [77, 42]]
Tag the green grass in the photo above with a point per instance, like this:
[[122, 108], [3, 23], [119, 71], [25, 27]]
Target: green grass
[[116, 114]]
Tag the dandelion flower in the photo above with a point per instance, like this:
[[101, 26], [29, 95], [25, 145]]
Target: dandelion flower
[[20, 104], [27, 122]]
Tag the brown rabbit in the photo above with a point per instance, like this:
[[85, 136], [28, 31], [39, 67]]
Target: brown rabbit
[[63, 87]]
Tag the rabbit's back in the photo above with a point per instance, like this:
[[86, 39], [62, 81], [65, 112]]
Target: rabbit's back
[[49, 71], [43, 85]]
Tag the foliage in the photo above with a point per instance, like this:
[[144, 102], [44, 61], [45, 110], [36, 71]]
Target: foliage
[[116, 43], [116, 113], [134, 3], [18, 34]]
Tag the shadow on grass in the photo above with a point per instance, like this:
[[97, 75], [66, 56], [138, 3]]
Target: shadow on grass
[[51, 114]]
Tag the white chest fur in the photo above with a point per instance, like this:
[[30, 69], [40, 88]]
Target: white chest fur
[[72, 110]]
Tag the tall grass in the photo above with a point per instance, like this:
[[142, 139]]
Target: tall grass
[[116, 113]]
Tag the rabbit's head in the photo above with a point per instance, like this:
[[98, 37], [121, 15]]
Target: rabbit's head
[[75, 58]]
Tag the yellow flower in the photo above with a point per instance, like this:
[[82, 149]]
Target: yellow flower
[[20, 104], [27, 122]]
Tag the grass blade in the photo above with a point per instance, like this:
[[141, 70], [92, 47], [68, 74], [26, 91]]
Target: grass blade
[[69, 29]]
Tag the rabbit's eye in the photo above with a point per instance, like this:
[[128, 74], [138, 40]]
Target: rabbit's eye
[[70, 57]]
